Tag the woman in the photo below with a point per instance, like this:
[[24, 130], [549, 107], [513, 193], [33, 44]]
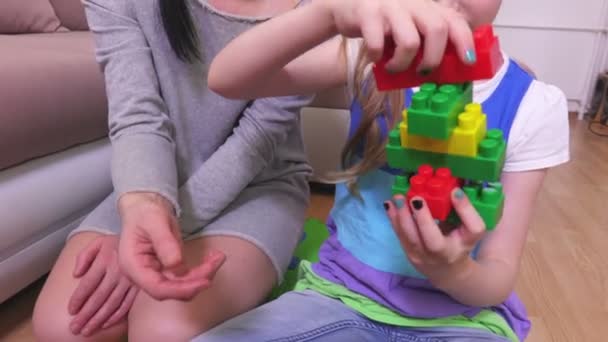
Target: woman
[[194, 175]]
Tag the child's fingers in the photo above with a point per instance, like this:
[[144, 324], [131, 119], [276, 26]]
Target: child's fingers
[[461, 35], [434, 28], [431, 235], [372, 30], [403, 223], [406, 37], [391, 211], [473, 224]]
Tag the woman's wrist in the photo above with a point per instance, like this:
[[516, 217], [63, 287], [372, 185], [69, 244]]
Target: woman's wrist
[[137, 198]]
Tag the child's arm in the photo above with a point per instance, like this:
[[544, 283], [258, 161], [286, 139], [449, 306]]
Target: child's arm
[[446, 261], [491, 278], [275, 58], [255, 64]]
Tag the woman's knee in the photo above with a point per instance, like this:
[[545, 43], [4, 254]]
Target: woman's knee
[[52, 324], [51, 319]]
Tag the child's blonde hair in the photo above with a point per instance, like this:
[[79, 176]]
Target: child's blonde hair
[[368, 136]]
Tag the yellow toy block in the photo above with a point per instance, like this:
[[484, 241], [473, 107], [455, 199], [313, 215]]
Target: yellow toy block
[[463, 141]]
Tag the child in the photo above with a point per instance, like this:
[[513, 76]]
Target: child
[[387, 273]]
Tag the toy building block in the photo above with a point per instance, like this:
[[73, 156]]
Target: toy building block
[[486, 166], [450, 70], [434, 110], [434, 186], [488, 201], [464, 140]]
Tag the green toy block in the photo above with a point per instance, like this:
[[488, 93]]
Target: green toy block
[[314, 234], [486, 166], [434, 110], [401, 185], [488, 201]]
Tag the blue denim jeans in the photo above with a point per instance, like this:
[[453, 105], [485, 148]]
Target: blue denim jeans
[[309, 316]]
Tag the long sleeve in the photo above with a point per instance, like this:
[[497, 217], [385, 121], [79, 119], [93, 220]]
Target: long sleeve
[[141, 132], [264, 125]]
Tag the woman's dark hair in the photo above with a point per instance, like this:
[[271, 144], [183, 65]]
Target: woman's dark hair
[[180, 30]]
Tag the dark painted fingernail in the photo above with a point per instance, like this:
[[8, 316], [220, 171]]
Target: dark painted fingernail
[[386, 206], [399, 203], [425, 71], [417, 204], [459, 193], [471, 56]]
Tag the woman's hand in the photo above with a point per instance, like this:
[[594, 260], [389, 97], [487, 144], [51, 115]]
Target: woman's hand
[[439, 257], [104, 295], [407, 22], [150, 250]]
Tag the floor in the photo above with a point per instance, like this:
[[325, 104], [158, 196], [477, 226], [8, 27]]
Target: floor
[[564, 278]]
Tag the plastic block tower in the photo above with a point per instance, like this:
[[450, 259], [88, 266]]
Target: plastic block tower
[[471, 157], [442, 141]]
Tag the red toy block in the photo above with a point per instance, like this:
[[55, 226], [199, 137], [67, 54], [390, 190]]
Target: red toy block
[[436, 189], [451, 69]]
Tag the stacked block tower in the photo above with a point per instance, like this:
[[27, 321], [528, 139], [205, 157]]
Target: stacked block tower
[[442, 141]]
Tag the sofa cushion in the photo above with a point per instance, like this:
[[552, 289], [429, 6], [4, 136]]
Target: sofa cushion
[[71, 14], [51, 95], [29, 16]]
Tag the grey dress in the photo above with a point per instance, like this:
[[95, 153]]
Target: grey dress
[[229, 167]]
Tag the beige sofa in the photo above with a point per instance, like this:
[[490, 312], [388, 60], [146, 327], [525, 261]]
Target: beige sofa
[[54, 154]]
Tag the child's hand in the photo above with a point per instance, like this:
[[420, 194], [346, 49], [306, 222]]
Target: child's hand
[[406, 21], [435, 255]]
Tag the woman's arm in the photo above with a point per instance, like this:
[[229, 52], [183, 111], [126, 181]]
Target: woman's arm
[[144, 170], [143, 157], [491, 278], [264, 126]]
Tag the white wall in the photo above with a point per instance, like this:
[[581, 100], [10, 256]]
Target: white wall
[[563, 41]]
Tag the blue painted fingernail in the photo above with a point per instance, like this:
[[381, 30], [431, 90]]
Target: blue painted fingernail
[[437, 221], [399, 203], [459, 193], [471, 56]]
